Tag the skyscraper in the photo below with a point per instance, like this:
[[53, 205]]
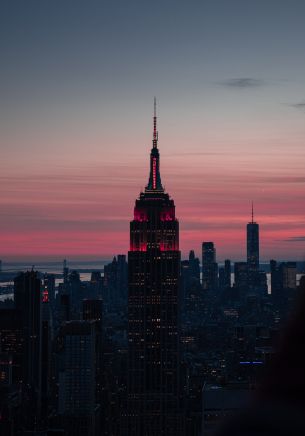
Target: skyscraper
[[252, 251], [283, 278], [153, 348], [77, 378], [27, 297], [209, 266], [48, 295], [227, 277], [194, 266], [115, 282]]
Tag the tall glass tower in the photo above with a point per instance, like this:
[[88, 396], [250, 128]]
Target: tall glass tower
[[252, 251], [153, 274]]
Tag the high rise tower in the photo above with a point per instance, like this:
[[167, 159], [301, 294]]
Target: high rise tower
[[209, 266], [252, 251], [27, 298], [154, 268]]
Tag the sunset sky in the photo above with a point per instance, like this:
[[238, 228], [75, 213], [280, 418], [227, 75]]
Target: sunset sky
[[77, 82]]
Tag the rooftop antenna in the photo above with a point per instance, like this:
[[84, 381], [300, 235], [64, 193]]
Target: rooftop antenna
[[252, 213], [155, 133]]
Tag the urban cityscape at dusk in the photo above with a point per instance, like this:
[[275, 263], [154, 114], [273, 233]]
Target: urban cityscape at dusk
[[152, 284]]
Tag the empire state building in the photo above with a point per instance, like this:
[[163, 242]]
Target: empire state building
[[153, 348]]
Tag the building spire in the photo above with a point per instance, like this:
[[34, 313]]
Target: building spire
[[252, 213], [154, 182], [155, 133]]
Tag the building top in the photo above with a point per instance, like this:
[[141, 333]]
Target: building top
[[154, 183], [252, 216]]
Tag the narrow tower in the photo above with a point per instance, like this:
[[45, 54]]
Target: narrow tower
[[154, 267], [252, 250]]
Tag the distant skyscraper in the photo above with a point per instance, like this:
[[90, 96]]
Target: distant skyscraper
[[75, 289], [96, 283], [283, 277], [154, 268], [209, 266], [65, 272], [252, 251], [227, 273], [289, 275], [275, 278], [115, 281], [194, 266]]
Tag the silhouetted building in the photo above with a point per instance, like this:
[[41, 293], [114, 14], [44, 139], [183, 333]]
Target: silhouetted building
[[12, 341], [96, 283], [75, 289], [77, 378], [65, 272], [283, 277], [27, 297], [276, 282], [153, 343], [209, 266], [241, 276], [289, 275], [46, 342], [116, 281], [227, 274], [194, 266], [253, 252]]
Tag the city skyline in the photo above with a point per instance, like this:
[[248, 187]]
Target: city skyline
[[190, 227], [75, 126]]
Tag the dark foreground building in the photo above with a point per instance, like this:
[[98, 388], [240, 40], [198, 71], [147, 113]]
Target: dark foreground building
[[153, 350]]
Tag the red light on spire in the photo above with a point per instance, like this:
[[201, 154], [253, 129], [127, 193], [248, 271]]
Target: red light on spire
[[155, 133], [154, 173]]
